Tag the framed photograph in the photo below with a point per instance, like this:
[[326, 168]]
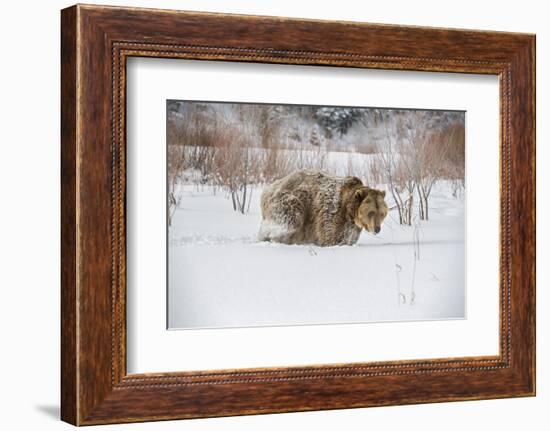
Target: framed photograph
[[264, 214]]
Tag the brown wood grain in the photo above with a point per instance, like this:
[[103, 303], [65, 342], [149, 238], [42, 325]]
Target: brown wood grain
[[96, 41]]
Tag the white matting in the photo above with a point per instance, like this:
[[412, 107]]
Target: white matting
[[151, 347]]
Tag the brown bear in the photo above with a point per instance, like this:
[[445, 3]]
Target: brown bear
[[311, 207]]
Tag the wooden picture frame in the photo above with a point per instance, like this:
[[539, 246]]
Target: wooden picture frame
[[95, 43]]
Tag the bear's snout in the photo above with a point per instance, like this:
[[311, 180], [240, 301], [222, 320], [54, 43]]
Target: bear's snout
[[377, 229]]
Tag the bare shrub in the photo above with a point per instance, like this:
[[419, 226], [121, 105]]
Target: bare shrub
[[391, 168], [373, 171], [237, 166], [455, 156], [175, 168], [276, 164]]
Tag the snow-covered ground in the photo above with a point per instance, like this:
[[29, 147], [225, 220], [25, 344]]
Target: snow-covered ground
[[221, 276]]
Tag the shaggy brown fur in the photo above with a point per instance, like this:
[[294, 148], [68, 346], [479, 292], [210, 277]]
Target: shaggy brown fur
[[309, 207]]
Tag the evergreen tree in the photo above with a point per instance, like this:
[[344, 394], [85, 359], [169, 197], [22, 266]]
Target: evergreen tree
[[337, 120]]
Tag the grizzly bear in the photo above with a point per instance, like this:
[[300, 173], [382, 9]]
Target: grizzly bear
[[311, 207]]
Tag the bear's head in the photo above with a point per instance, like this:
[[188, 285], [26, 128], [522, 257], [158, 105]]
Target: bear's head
[[371, 209]]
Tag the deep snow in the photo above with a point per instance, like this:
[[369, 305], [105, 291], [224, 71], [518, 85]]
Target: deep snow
[[221, 276]]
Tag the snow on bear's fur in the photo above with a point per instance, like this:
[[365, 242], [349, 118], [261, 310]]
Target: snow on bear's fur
[[311, 207]]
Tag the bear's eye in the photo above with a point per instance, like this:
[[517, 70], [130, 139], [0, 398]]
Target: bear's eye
[[370, 214]]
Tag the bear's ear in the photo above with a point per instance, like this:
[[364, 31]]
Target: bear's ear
[[360, 194], [383, 193], [352, 182]]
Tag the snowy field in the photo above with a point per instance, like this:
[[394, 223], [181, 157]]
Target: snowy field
[[221, 276]]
